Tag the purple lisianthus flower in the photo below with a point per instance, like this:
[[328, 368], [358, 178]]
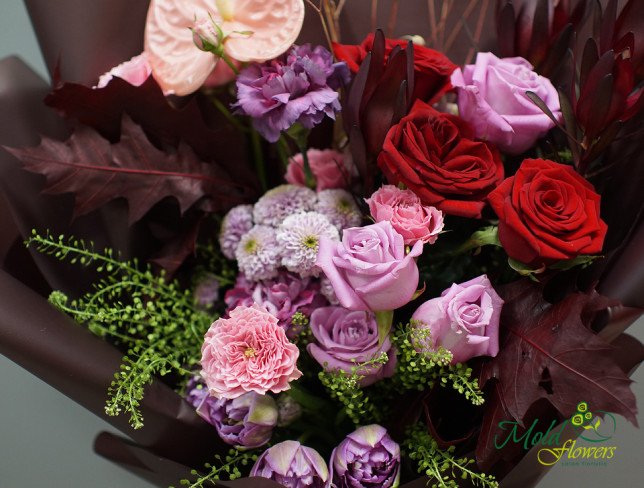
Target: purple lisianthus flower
[[283, 296], [345, 338], [246, 422], [292, 464], [464, 319], [299, 86], [367, 457]]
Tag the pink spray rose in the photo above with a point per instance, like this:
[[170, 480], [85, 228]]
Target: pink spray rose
[[135, 71], [491, 97], [413, 220], [346, 337], [464, 319], [248, 351], [330, 168], [369, 269]]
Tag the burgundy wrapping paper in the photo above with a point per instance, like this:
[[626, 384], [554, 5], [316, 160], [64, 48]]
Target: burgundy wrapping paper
[[45, 342]]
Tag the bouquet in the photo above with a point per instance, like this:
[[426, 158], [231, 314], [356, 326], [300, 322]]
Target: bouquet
[[317, 252]]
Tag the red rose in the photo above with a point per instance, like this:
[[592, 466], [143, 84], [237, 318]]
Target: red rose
[[436, 156], [432, 69], [547, 213]]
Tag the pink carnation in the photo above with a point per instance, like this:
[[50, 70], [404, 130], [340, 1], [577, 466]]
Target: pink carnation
[[248, 351], [135, 71], [328, 166], [411, 219]]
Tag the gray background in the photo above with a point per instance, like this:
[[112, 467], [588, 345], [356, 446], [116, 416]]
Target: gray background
[[46, 439]]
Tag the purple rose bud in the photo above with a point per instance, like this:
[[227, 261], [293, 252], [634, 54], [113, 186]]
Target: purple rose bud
[[346, 338], [367, 457], [246, 422], [288, 410], [464, 319], [292, 464], [369, 269]]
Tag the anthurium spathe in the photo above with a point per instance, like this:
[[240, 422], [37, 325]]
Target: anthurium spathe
[[246, 30]]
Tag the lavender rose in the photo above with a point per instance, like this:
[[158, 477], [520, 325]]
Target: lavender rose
[[369, 269], [293, 465], [491, 97], [344, 338], [246, 422], [367, 457], [464, 319], [299, 86]]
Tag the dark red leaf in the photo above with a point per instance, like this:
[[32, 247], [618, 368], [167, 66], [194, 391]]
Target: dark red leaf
[[589, 59], [179, 247], [98, 172], [608, 26], [540, 33], [505, 27], [539, 336], [631, 20], [164, 124]]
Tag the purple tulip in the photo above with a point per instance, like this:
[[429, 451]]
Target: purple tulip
[[246, 422], [367, 457], [292, 464], [464, 319], [345, 338]]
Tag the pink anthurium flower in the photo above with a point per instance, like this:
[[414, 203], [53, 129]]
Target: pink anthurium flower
[[253, 30]]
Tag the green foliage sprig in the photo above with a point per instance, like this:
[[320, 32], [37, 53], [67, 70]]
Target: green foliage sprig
[[153, 319], [227, 466], [345, 387], [419, 366], [442, 466]]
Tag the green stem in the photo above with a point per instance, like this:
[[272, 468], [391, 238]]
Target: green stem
[[226, 113], [258, 158], [283, 151]]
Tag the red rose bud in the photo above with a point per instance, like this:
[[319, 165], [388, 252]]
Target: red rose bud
[[435, 155], [547, 213]]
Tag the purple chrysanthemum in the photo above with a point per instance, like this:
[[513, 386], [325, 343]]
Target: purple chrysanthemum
[[258, 254], [283, 296], [236, 223], [299, 86], [299, 238], [339, 207], [282, 201]]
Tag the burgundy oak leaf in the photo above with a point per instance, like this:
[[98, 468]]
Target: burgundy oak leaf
[[547, 352], [98, 172]]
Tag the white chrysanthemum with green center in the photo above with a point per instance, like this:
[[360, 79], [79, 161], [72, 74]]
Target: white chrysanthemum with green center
[[299, 238], [340, 208], [258, 253]]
